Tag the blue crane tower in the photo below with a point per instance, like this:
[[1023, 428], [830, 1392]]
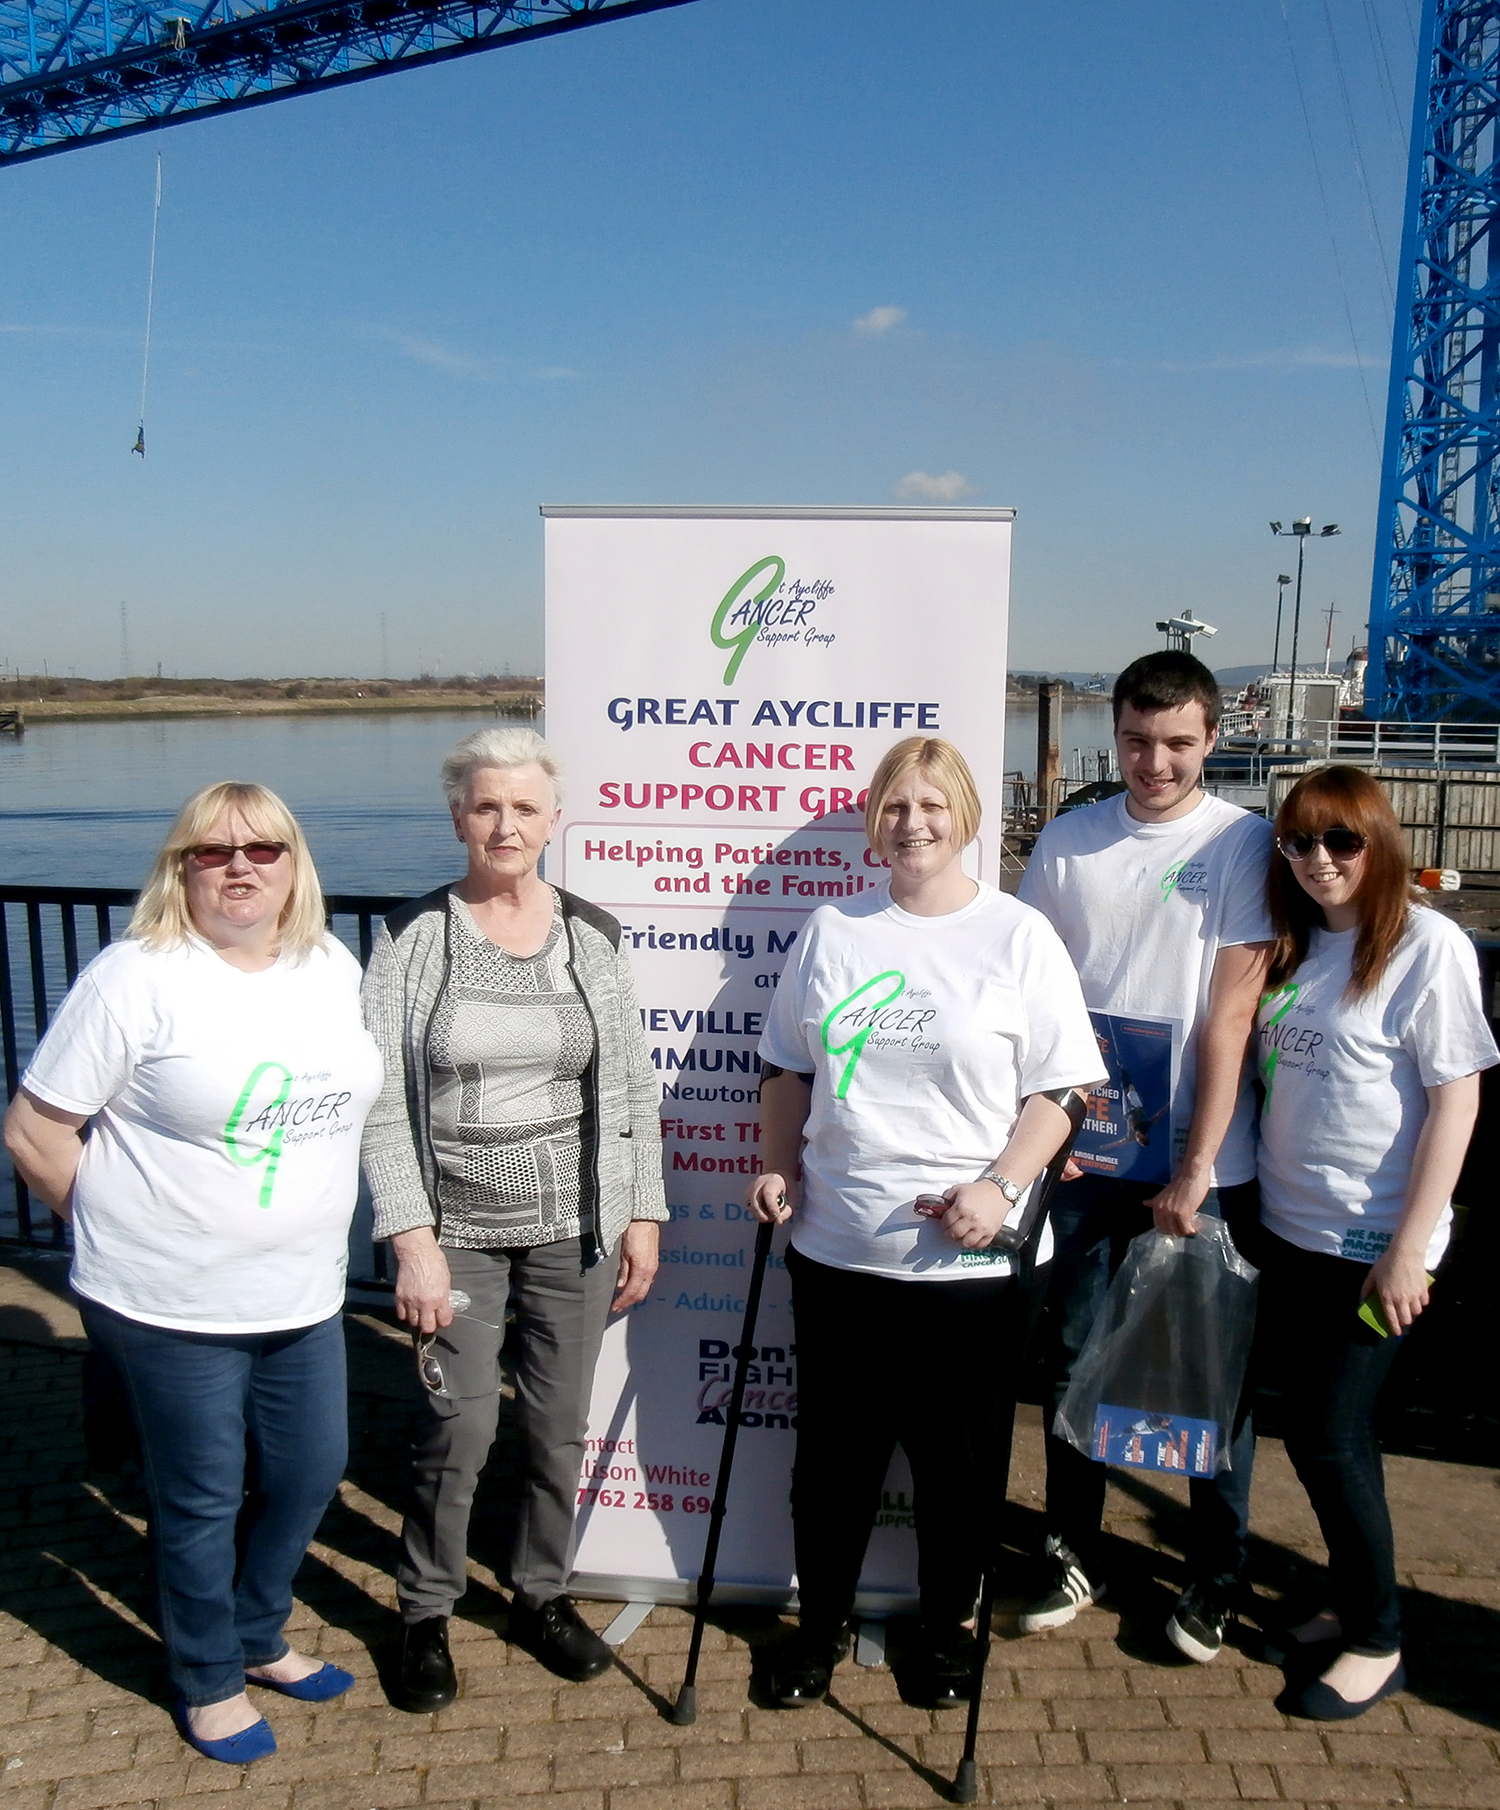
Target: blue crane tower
[[76, 71], [1435, 603]]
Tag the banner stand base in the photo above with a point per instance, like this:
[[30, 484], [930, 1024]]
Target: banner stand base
[[626, 1623], [640, 1595]]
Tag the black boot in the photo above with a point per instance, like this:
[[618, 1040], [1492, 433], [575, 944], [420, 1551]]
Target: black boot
[[559, 1636], [426, 1680], [802, 1667], [938, 1671]]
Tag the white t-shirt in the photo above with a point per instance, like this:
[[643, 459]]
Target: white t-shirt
[[924, 1034], [1144, 909], [219, 1178], [1344, 1083]]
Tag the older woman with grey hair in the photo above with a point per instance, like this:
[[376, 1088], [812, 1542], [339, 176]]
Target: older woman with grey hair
[[514, 1158]]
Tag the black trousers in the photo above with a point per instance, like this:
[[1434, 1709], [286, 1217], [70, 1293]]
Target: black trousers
[[882, 1360], [1330, 1367]]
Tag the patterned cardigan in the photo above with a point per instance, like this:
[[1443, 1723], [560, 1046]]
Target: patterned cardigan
[[403, 983]]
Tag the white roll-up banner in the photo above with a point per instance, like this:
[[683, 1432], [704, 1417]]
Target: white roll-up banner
[[721, 683]]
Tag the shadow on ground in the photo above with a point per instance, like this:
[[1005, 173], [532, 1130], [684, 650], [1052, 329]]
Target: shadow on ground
[[76, 1563]]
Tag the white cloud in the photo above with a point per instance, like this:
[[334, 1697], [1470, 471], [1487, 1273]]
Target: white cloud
[[929, 487], [880, 320], [453, 360]]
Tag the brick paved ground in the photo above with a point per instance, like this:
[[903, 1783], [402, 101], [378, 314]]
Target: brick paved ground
[[1098, 1713]]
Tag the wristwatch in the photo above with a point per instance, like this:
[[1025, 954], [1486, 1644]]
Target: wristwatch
[[1008, 1188]]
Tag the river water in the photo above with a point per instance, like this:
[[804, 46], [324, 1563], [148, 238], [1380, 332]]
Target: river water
[[87, 804]]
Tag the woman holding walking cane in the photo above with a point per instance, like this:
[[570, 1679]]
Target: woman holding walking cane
[[913, 1035], [1371, 1038]]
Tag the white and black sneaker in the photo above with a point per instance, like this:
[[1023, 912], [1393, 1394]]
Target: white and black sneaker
[[1071, 1590], [1197, 1625]]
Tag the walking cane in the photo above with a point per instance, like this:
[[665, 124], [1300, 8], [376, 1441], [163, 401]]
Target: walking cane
[[685, 1710], [1022, 1239]]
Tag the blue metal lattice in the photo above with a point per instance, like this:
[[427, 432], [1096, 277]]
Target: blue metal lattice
[[1435, 604], [74, 71]]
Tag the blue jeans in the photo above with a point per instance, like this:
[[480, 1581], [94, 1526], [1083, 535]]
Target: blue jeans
[[1093, 1222], [1331, 1367], [228, 1537]]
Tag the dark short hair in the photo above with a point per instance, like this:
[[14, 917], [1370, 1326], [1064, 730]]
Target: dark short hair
[[1166, 681]]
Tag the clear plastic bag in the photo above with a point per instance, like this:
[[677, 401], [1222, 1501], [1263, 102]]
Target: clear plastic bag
[[1157, 1384]]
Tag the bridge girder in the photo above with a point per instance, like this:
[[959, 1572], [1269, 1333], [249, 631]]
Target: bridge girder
[[76, 71]]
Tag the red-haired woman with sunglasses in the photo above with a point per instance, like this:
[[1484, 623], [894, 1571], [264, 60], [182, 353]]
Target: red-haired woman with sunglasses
[[1371, 1036], [195, 1110]]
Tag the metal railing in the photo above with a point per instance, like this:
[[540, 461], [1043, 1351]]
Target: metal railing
[[47, 934], [1260, 750]]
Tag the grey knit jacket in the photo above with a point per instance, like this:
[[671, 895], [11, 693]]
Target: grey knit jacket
[[622, 1175]]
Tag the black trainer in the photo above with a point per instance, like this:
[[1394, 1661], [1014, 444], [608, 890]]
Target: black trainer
[[559, 1636], [426, 1680], [802, 1669], [938, 1671], [1197, 1625], [1069, 1589]]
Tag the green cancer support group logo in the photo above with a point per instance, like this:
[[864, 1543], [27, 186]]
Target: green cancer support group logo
[[268, 1153], [864, 1018], [744, 614], [1288, 996]]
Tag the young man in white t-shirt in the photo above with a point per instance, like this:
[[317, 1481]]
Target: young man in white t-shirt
[[1159, 896]]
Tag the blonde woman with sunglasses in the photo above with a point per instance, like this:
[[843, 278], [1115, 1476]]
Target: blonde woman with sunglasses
[[195, 1110], [1370, 1040]]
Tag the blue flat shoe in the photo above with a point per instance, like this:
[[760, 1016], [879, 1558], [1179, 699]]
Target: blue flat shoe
[[318, 1687], [253, 1743], [1321, 1702]]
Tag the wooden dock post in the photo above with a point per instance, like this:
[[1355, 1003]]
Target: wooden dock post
[[1048, 748]]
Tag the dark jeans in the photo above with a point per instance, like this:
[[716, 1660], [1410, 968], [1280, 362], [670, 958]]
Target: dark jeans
[[226, 1553], [1330, 1367], [882, 1360], [1093, 1222]]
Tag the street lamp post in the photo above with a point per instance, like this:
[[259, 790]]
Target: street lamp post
[[1282, 581], [1301, 529]]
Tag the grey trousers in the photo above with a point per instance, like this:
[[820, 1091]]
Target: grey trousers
[[561, 1310]]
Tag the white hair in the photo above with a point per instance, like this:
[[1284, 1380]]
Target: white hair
[[498, 748]]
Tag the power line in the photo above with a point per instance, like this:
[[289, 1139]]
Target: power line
[[140, 434], [1333, 243], [1396, 118], [1359, 164]]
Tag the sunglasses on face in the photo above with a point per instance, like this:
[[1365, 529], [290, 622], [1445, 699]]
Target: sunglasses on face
[[1337, 841], [220, 854]]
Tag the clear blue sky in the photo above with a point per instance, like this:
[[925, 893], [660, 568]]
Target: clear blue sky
[[1071, 259]]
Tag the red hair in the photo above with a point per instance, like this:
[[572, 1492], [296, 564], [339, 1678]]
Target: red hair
[[1341, 797]]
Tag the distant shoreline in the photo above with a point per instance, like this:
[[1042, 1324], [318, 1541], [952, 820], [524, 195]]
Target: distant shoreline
[[67, 710]]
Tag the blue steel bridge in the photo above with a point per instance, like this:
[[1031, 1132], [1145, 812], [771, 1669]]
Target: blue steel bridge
[[76, 71]]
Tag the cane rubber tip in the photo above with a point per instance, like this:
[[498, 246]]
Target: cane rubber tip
[[685, 1709], [966, 1783]]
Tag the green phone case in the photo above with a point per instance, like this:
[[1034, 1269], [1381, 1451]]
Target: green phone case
[[1373, 1315]]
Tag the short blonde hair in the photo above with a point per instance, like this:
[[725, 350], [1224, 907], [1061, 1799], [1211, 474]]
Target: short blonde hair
[[498, 748], [944, 766], [162, 920]]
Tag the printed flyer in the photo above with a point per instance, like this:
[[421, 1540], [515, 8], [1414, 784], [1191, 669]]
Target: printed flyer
[[721, 684], [1142, 1441], [1127, 1131]]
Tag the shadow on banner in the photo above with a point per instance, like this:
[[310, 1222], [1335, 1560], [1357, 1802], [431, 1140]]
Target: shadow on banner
[[663, 1382]]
